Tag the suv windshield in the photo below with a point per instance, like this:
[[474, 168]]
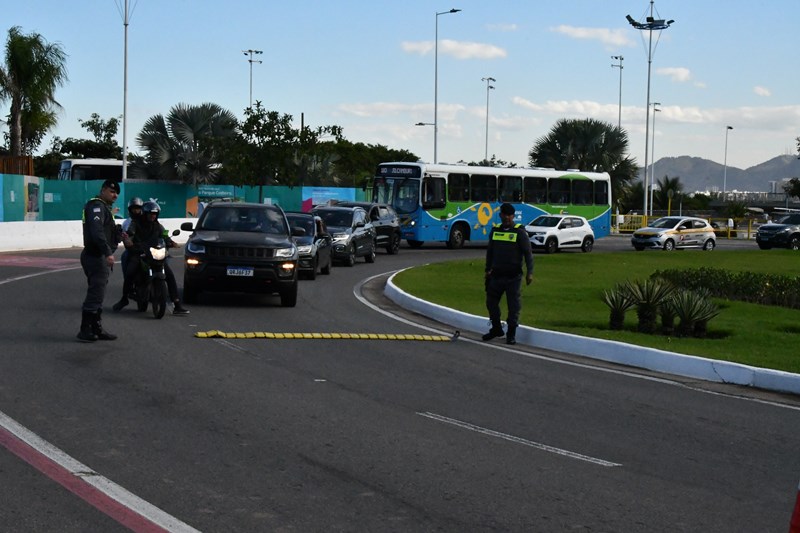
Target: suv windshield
[[245, 219], [340, 219], [302, 221], [546, 221], [790, 219]]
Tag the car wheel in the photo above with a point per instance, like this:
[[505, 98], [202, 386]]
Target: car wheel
[[639, 248], [551, 246], [709, 245], [370, 257], [764, 246], [314, 264], [456, 240], [794, 242], [588, 244], [350, 260], [669, 245], [289, 297], [394, 244], [415, 244]]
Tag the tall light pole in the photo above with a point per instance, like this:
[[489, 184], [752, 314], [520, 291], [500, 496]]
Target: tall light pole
[[250, 53], [125, 19], [619, 58], [653, 152], [436, 86], [725, 168], [650, 24], [488, 86]]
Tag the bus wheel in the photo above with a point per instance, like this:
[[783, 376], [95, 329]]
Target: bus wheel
[[414, 244], [456, 239]]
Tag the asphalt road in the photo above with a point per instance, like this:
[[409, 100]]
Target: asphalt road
[[367, 435]]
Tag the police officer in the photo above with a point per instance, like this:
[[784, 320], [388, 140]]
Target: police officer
[[508, 246], [100, 240]]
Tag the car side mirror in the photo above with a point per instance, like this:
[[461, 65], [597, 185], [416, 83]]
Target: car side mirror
[[298, 231], [360, 224], [187, 226]]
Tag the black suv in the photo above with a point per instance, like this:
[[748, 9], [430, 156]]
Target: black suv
[[386, 223], [315, 246], [785, 233], [241, 247], [353, 234]]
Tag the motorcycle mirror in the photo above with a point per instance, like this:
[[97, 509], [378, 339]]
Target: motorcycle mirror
[[176, 232]]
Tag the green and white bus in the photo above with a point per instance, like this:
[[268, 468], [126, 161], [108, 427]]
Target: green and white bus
[[90, 169], [458, 203]]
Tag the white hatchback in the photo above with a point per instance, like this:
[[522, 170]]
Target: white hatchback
[[557, 232]]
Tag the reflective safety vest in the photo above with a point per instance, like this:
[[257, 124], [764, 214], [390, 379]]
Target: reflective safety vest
[[505, 236]]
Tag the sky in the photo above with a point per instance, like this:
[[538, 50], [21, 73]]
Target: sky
[[370, 66]]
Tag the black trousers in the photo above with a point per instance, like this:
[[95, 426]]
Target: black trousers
[[132, 272], [97, 273], [496, 287]]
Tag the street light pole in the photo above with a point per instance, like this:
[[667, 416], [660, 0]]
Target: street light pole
[[436, 86], [488, 86], [650, 24], [619, 58], [251, 61], [653, 153], [725, 168]]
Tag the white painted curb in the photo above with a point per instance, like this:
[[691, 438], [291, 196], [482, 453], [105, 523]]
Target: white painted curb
[[611, 351], [17, 236]]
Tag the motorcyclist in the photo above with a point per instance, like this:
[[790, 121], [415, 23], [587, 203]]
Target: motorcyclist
[[134, 213], [143, 234]]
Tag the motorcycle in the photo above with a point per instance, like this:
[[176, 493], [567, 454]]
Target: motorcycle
[[150, 287]]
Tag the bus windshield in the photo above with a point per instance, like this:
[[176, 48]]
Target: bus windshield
[[406, 196]]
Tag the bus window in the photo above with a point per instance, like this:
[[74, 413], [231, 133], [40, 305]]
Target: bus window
[[536, 190], [407, 199], [510, 188], [382, 191], [582, 193], [484, 188], [600, 193], [559, 190], [458, 187], [433, 193]]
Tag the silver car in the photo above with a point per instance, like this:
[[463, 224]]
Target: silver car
[[669, 233]]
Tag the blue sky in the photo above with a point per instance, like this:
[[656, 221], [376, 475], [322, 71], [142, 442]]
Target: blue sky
[[368, 66]]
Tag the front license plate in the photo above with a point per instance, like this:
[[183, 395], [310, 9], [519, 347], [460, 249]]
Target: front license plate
[[246, 272]]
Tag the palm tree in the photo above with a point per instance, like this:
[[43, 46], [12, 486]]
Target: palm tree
[[32, 70], [590, 145], [661, 196], [181, 146]]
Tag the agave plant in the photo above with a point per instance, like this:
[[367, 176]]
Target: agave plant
[[667, 313], [691, 308], [708, 311], [648, 296], [618, 301]]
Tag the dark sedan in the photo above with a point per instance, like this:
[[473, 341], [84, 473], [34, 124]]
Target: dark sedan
[[315, 247]]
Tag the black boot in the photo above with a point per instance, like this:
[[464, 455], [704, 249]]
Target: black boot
[[86, 334], [496, 331], [511, 336], [97, 328], [179, 309], [121, 303]]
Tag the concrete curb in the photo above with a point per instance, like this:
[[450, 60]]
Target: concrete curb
[[612, 351]]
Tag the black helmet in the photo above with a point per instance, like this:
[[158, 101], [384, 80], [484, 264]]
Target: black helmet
[[135, 202], [151, 207]]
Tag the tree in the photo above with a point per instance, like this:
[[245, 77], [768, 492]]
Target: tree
[[358, 160], [793, 187], [661, 196], [104, 144], [32, 70], [183, 146], [589, 145]]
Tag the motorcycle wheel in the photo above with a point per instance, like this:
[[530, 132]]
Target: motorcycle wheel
[[142, 297], [158, 297]]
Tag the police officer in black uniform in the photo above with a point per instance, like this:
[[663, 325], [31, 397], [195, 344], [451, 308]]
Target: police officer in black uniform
[[508, 246], [100, 240]]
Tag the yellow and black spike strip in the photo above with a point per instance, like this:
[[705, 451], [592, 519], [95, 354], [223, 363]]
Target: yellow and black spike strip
[[345, 336]]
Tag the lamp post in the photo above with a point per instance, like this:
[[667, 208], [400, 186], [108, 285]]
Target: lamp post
[[619, 58], [436, 86], [725, 166], [653, 153], [125, 20], [250, 53], [488, 86], [650, 24]]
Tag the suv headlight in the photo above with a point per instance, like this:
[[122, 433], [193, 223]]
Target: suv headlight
[[304, 249], [285, 252], [195, 248], [340, 237]]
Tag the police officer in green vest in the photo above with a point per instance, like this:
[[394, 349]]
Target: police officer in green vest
[[509, 245]]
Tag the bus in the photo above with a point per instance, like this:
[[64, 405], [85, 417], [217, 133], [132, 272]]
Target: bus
[[458, 203], [90, 169]]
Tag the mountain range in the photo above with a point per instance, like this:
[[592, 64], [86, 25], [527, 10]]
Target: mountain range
[[698, 174]]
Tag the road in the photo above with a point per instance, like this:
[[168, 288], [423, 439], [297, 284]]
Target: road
[[367, 435]]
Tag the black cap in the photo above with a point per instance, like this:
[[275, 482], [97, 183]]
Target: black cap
[[507, 209], [111, 184]]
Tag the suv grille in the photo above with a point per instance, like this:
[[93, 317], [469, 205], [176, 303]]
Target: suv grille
[[243, 252]]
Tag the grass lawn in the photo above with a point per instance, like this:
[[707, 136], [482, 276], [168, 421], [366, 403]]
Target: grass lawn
[[566, 296]]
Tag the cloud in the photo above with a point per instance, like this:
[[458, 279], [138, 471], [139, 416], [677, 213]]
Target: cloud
[[608, 37], [677, 74], [762, 91], [457, 49], [501, 27]]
